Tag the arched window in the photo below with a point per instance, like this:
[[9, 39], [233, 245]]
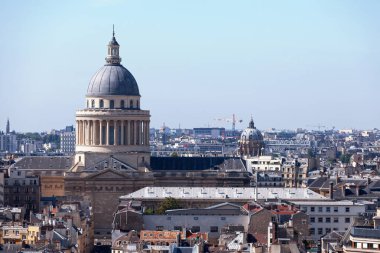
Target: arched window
[[131, 104], [112, 104], [101, 103], [87, 103], [122, 104], [92, 103], [138, 104]]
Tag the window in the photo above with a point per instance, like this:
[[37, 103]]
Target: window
[[112, 104], [195, 218], [195, 229], [336, 219], [320, 231], [328, 230], [335, 209], [320, 219], [320, 209], [122, 104], [347, 220], [312, 219], [303, 221], [312, 209], [328, 209], [159, 228], [168, 218], [223, 218], [131, 103], [92, 103], [178, 228], [335, 229], [312, 231], [328, 219], [347, 209], [101, 103], [214, 229]]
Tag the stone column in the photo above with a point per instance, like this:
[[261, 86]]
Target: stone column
[[83, 133], [122, 133], [100, 132], [90, 139], [147, 134], [140, 132], [108, 133], [76, 132], [128, 141], [115, 133], [93, 132], [135, 132]]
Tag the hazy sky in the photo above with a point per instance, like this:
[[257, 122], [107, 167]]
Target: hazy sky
[[288, 63]]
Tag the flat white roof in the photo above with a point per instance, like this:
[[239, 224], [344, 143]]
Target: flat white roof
[[327, 203], [226, 193]]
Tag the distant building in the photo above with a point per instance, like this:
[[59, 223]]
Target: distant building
[[263, 163], [8, 143], [21, 190], [251, 142], [328, 216], [209, 132], [67, 139], [295, 171]]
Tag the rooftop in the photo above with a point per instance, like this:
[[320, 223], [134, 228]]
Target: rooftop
[[224, 193]]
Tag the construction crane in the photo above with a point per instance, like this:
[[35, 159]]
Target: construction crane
[[232, 120]]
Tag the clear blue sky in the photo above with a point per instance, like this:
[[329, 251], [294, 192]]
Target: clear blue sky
[[288, 63]]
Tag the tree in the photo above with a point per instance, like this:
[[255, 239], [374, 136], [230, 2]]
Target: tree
[[345, 158], [168, 204]]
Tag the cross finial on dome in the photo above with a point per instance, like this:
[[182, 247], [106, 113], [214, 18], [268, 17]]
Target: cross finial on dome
[[113, 30]]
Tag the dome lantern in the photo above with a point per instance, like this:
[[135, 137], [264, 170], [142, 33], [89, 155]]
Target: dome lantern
[[113, 50]]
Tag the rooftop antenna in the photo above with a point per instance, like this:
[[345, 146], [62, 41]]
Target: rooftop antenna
[[113, 30]]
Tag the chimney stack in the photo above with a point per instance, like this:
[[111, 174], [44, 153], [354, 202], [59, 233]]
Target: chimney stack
[[331, 190]]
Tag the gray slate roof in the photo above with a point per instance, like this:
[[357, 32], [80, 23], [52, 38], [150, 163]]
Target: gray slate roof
[[113, 80], [45, 163]]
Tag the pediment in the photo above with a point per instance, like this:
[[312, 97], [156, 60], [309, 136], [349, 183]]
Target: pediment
[[110, 163], [107, 174]]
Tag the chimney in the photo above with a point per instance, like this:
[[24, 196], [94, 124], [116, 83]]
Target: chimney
[[178, 239], [331, 190], [357, 189], [343, 191], [368, 180]]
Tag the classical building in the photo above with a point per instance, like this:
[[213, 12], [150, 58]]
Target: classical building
[[251, 141], [112, 122]]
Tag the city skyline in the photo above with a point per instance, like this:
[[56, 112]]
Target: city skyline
[[195, 62]]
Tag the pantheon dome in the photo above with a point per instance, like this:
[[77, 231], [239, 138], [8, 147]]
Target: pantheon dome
[[113, 123], [251, 141]]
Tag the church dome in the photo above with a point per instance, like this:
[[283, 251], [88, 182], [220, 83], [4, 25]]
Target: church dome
[[251, 133], [113, 79]]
